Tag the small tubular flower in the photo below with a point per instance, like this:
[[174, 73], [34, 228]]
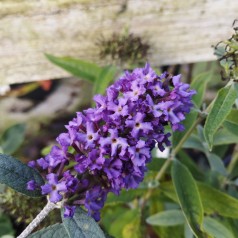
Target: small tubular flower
[[107, 147]]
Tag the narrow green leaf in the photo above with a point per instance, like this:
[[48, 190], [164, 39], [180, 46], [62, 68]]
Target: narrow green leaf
[[188, 232], [187, 123], [220, 110], [216, 163], [169, 231], [233, 116], [12, 138], [199, 84], [15, 174], [167, 218], [194, 142], [54, 231], [225, 137], [82, 225], [79, 68], [213, 200], [188, 196], [216, 229], [231, 127], [191, 165], [104, 79]]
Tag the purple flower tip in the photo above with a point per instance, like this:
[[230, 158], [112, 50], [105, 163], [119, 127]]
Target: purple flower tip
[[69, 211], [31, 185]]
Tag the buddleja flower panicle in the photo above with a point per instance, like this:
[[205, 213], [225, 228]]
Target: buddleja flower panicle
[[112, 142]]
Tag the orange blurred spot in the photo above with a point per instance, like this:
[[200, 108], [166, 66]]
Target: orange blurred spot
[[46, 84]]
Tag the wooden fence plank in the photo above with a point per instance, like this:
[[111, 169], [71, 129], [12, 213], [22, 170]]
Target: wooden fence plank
[[179, 31]]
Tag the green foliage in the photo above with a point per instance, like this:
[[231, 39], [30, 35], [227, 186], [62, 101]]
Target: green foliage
[[125, 196], [216, 229], [12, 138], [188, 197], [225, 137], [82, 225], [15, 174], [101, 77], [218, 202], [231, 122], [197, 197], [78, 68], [219, 111], [167, 218], [54, 231], [199, 84], [127, 225], [16, 205], [213, 200], [105, 77], [6, 227]]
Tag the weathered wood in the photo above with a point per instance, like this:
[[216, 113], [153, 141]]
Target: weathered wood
[[179, 31]]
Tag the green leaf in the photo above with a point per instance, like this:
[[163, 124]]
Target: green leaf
[[187, 123], [188, 232], [12, 138], [194, 142], [167, 218], [216, 163], [104, 79], [214, 201], [220, 110], [191, 165], [199, 84], [231, 127], [216, 229], [54, 231], [125, 196], [233, 116], [156, 164], [16, 175], [82, 225], [77, 67], [6, 227], [188, 196], [110, 213], [132, 229], [127, 225], [225, 137]]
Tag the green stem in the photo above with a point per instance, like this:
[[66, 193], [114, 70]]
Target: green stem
[[174, 152], [234, 160]]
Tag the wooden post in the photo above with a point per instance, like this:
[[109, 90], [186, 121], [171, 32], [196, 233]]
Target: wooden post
[[178, 31]]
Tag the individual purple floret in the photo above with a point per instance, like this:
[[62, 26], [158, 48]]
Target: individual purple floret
[[31, 185], [106, 148]]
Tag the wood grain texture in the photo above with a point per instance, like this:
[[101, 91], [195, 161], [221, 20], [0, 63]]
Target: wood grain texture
[[179, 31]]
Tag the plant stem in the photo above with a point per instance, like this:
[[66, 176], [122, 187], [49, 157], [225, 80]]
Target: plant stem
[[234, 160], [171, 158], [46, 210]]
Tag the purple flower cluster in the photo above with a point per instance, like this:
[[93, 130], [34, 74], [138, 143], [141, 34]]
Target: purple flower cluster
[[106, 148]]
